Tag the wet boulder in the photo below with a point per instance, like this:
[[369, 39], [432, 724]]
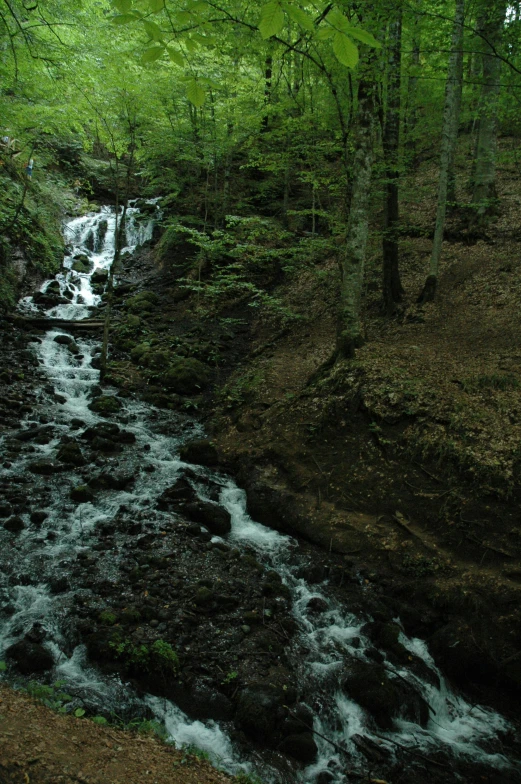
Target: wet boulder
[[179, 492], [301, 747], [30, 657], [99, 276], [186, 376], [64, 340], [200, 451], [108, 480], [38, 517], [105, 405], [213, 516], [82, 264], [385, 698], [5, 509], [259, 710], [71, 453], [44, 467], [14, 524], [82, 494]]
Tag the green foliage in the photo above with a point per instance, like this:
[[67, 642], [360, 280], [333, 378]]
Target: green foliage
[[229, 677], [239, 390], [502, 381], [247, 778], [50, 696], [191, 750], [107, 617], [160, 655], [3, 666]]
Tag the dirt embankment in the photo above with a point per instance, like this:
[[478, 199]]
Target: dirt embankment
[[41, 747]]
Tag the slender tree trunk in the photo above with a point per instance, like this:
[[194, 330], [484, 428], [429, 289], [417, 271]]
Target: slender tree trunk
[[268, 66], [411, 112], [350, 328], [451, 179], [448, 141], [484, 196], [392, 286]]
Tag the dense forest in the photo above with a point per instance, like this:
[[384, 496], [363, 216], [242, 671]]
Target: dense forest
[[291, 239]]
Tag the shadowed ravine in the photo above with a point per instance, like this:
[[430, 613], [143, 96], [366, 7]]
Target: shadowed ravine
[[355, 706]]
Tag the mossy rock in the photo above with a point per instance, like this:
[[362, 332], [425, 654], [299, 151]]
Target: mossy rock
[[105, 405], [139, 351], [156, 359], [82, 266], [82, 494], [186, 376], [143, 302], [72, 454]]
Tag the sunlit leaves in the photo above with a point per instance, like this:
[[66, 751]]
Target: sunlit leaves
[[123, 19], [175, 56], [299, 16], [123, 6], [156, 5], [345, 50], [364, 37], [195, 92], [271, 19], [153, 30], [151, 54]]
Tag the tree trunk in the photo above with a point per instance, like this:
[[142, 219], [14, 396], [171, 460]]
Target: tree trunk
[[448, 142], [392, 286], [411, 112], [350, 329], [484, 196], [268, 66], [451, 178]]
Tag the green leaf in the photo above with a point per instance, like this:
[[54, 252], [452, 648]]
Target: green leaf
[[324, 33], [299, 16], [153, 31], [156, 5], [191, 45], [123, 19], [345, 50], [195, 92], [79, 712], [151, 54], [271, 20], [183, 17], [123, 6], [175, 56], [338, 20], [364, 37], [3, 666]]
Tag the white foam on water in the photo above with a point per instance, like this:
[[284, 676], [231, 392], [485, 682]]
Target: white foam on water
[[206, 736], [246, 530]]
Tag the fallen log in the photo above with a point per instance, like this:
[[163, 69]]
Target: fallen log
[[42, 322]]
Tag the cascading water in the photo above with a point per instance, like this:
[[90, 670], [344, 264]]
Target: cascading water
[[40, 556]]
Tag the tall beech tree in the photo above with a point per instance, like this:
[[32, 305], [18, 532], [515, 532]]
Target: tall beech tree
[[448, 142], [491, 27]]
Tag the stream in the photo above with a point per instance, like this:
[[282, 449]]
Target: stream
[[40, 585]]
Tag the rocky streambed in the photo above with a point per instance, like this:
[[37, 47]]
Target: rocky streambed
[[133, 574]]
